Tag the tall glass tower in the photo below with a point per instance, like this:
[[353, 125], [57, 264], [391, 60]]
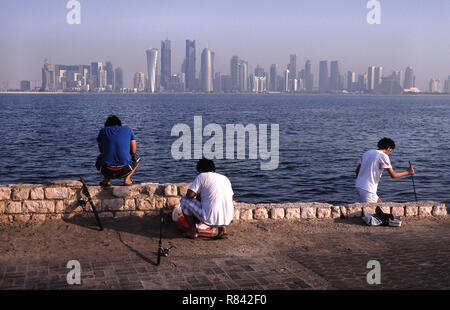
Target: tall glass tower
[[152, 60], [190, 65], [166, 63]]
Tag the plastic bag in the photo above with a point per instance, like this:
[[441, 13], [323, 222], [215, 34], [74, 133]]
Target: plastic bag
[[371, 220]]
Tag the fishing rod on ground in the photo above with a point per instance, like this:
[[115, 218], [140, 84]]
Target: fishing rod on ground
[[162, 251], [412, 177]]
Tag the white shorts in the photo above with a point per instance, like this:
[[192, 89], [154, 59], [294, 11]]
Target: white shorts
[[365, 196]]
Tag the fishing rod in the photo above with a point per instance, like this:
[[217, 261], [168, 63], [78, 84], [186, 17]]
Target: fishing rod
[[412, 177], [162, 251]]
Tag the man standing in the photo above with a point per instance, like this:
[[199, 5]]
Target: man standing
[[372, 165], [209, 199], [117, 146]]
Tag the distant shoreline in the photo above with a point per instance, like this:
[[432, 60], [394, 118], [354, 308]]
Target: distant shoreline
[[221, 93]]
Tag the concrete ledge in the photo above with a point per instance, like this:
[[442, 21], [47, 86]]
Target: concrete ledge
[[59, 200]]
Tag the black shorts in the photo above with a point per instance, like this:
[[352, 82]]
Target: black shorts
[[119, 172]]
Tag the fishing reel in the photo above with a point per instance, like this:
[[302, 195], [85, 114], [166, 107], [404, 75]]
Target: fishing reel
[[82, 203], [165, 251]]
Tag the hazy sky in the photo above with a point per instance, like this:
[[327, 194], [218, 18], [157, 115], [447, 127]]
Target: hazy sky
[[411, 33]]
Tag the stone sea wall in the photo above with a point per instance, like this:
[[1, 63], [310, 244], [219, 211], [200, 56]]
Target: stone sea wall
[[59, 200]]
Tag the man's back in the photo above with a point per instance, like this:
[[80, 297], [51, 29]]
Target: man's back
[[116, 145], [216, 196], [373, 163]]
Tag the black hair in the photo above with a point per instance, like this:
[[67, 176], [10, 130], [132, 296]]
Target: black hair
[[386, 143], [205, 165], [113, 120]]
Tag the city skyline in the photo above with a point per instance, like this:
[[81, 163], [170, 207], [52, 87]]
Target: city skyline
[[264, 34]]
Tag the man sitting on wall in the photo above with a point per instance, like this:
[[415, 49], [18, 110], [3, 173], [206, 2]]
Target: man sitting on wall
[[118, 158], [209, 199]]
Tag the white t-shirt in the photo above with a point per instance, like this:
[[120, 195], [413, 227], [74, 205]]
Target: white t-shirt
[[372, 165], [216, 197]]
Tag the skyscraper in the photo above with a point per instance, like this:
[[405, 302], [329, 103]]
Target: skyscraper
[[286, 80], [377, 76], [324, 80], [292, 66], [152, 60], [435, 86], [351, 80], [234, 72], [335, 76], [48, 77], [139, 81], [206, 71], [109, 76], [166, 63], [243, 75], [409, 81], [98, 75], [190, 65], [273, 86], [309, 78], [371, 78], [118, 79]]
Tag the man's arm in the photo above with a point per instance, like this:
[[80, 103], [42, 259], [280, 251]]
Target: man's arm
[[396, 175], [133, 146], [190, 194], [357, 170]]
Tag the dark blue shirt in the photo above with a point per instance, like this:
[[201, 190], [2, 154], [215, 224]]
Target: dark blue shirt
[[115, 142]]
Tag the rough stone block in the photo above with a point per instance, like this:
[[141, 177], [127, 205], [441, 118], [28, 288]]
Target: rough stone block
[[146, 204], [59, 206], [236, 214], [385, 209], [354, 210], [335, 212], [277, 213], [292, 213], [439, 210], [323, 212], [425, 211], [38, 206], [246, 214], [369, 209], [160, 202], [38, 217], [261, 214], [2, 207], [22, 218], [172, 202], [130, 205], [120, 191], [182, 189], [170, 190], [398, 211], [20, 193], [113, 204], [56, 193], [37, 193], [5, 193], [343, 210], [308, 212], [13, 207], [67, 183], [411, 211]]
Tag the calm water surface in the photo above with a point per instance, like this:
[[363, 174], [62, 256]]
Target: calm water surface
[[49, 137]]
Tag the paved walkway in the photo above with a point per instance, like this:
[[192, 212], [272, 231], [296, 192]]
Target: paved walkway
[[413, 260]]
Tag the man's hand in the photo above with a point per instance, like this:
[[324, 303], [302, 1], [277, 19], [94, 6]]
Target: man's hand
[[190, 194], [411, 170]]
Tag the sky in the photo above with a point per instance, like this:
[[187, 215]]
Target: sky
[[411, 33]]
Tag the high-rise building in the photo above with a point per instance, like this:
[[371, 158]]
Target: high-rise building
[[109, 76], [351, 81], [335, 76], [139, 81], [409, 81], [259, 71], [371, 78], [98, 76], [25, 85], [378, 76], [190, 65], [217, 82], [324, 80], [118, 79], [152, 61], [166, 63], [362, 82], [292, 66], [273, 81], [234, 73], [48, 77], [243, 75], [435, 86], [447, 85], [286, 80], [206, 76], [309, 78]]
